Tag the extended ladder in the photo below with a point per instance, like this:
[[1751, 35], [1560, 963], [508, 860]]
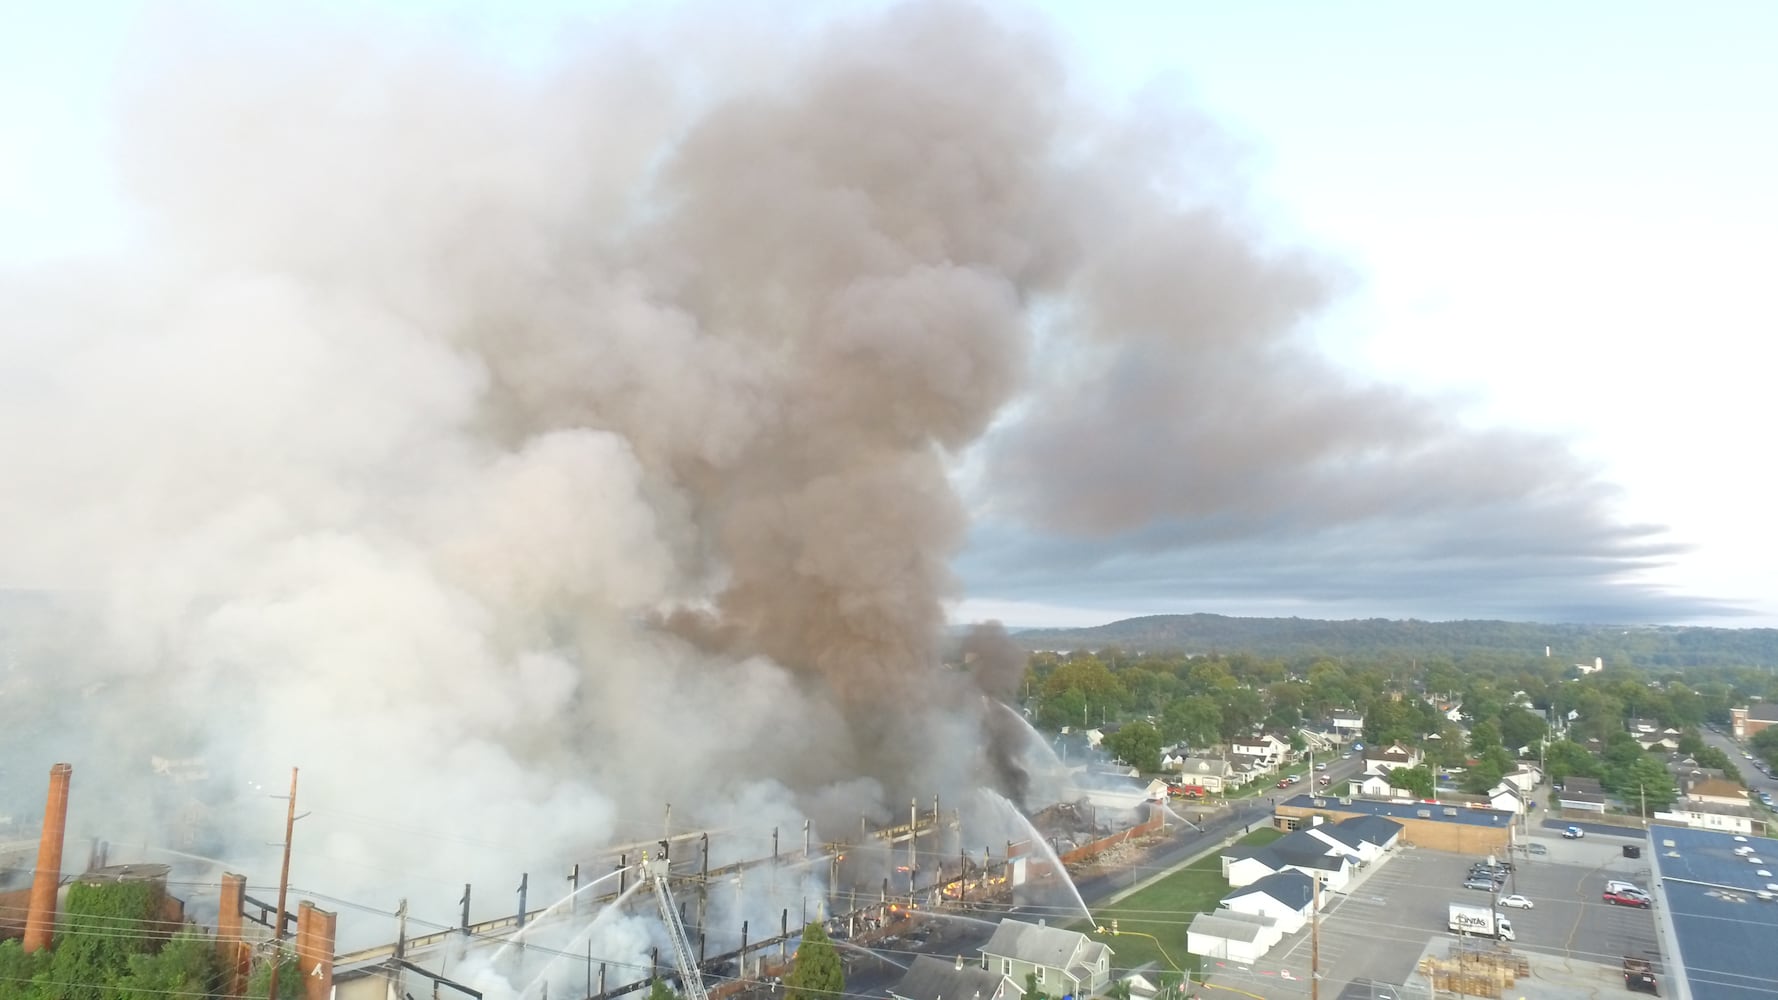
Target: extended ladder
[[691, 980]]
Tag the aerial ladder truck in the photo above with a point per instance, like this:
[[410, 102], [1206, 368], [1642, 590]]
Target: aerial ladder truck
[[691, 978]]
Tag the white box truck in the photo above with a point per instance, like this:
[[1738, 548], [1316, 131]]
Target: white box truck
[[1480, 921]]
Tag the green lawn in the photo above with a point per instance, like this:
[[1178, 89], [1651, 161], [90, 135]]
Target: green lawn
[[1154, 918]]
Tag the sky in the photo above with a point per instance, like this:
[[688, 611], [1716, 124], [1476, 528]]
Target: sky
[[1517, 365]]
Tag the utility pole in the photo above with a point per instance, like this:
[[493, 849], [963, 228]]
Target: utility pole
[[283, 886], [1315, 944]]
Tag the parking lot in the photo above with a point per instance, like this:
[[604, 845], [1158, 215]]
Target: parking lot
[[1379, 929]]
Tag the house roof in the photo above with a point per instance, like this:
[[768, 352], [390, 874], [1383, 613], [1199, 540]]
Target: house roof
[[1040, 944], [1576, 783], [931, 978], [1581, 797], [1290, 887], [1765, 711], [1402, 810], [1205, 765], [1230, 925], [1372, 829], [1718, 788]]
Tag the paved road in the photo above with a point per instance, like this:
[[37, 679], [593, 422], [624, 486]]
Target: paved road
[[1749, 774]]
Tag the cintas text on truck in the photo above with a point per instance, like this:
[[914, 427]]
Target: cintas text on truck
[[1480, 921]]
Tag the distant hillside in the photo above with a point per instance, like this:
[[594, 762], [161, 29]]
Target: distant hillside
[[1651, 646]]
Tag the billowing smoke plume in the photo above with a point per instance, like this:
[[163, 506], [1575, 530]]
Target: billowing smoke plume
[[519, 451]]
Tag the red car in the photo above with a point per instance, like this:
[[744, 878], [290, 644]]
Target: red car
[[1628, 899]]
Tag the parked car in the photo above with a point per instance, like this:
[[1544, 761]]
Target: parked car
[[1536, 849], [1516, 901], [1573, 833], [1628, 899], [1482, 883]]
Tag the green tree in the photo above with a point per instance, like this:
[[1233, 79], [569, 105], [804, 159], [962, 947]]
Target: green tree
[[1487, 770], [658, 990], [1418, 780], [1519, 728], [1062, 710], [102, 925], [1646, 786], [816, 973], [1196, 720], [1031, 990], [1765, 743], [186, 966], [18, 968], [290, 978], [1137, 744], [1563, 758], [1483, 737]]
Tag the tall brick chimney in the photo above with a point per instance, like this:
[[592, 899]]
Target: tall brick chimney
[[40, 920], [230, 947], [314, 950]]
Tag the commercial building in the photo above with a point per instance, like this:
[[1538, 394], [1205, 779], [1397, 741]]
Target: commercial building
[[1716, 911], [1426, 824]]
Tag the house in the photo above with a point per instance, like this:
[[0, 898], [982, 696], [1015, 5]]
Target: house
[[1231, 936], [1117, 791], [1066, 963], [1301, 850], [1213, 774], [1377, 786], [1380, 760], [1506, 797], [1748, 721], [1266, 751], [1582, 795], [1716, 792], [1288, 897], [933, 978], [1526, 778], [1706, 816], [1347, 721]]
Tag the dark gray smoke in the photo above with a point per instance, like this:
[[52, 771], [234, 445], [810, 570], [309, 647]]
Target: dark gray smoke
[[535, 448]]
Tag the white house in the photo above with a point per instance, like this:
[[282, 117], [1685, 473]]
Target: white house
[[1288, 897], [1716, 792], [1705, 816], [1231, 936], [1265, 751], [1597, 665], [1065, 962], [1380, 760], [1347, 720], [1526, 778], [1243, 865], [1505, 797], [1213, 774]]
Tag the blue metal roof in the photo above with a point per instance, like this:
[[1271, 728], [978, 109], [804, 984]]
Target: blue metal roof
[[1722, 912], [1404, 810]]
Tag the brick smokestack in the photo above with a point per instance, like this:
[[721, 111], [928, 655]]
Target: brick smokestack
[[40, 921], [314, 950], [230, 948]]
